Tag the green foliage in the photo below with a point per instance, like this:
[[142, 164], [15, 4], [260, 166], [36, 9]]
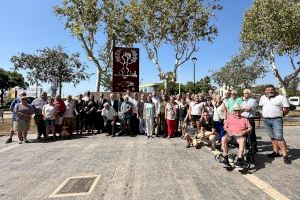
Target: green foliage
[[241, 70], [51, 65], [87, 19], [272, 28], [180, 24], [10, 80]]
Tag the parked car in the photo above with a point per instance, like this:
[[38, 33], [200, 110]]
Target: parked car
[[294, 101]]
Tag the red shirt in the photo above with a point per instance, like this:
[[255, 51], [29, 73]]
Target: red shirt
[[60, 106], [236, 125]]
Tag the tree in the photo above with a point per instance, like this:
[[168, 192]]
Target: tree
[[272, 28], [9, 80], [180, 24], [241, 70], [51, 65], [87, 20]]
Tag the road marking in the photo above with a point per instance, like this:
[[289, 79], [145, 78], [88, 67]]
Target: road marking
[[264, 186], [8, 148]]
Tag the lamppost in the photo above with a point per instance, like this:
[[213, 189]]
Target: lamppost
[[194, 60]]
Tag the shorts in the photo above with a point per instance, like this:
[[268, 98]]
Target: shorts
[[274, 128], [50, 122], [196, 117]]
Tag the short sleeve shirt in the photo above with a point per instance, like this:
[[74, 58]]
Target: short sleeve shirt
[[272, 107], [207, 125], [252, 104], [233, 102]]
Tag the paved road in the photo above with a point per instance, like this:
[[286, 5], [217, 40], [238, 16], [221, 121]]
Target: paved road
[[139, 168]]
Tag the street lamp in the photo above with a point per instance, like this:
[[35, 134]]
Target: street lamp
[[194, 60]]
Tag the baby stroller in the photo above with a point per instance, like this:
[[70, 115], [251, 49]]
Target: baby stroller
[[249, 155]]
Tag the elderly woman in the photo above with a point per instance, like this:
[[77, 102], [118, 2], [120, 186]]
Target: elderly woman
[[23, 111], [61, 108], [171, 111], [149, 114], [49, 112]]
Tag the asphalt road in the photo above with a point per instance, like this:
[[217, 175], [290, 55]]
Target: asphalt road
[[140, 168]]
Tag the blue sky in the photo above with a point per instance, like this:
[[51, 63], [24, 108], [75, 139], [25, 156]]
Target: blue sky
[[28, 25]]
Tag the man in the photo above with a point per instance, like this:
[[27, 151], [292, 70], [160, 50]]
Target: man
[[126, 113], [134, 118], [12, 109], [274, 107], [249, 107], [112, 102], [87, 96], [226, 96], [140, 106], [109, 114], [68, 117], [237, 128], [234, 100], [156, 100], [38, 105], [208, 131], [100, 121]]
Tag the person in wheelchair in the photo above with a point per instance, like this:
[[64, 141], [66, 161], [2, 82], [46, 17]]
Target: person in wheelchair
[[237, 128]]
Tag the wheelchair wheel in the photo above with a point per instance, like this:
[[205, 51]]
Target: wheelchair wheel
[[219, 157], [247, 165]]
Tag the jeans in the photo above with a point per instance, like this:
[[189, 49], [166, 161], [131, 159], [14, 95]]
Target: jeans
[[220, 129], [274, 127]]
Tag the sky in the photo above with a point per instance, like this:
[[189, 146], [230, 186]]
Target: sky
[[29, 25]]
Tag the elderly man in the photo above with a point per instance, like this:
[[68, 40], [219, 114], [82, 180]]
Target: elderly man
[[237, 128], [274, 107], [125, 115], [234, 100], [249, 107], [109, 114], [12, 106], [38, 105]]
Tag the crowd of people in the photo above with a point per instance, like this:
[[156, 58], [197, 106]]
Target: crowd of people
[[197, 118]]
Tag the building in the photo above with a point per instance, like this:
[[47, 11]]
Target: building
[[30, 91], [149, 87]]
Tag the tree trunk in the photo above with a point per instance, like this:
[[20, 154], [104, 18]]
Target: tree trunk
[[98, 80], [167, 87], [2, 94], [60, 88], [283, 86]]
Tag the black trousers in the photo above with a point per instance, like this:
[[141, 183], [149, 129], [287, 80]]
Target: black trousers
[[253, 134], [110, 128]]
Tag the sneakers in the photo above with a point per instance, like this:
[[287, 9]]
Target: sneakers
[[225, 162], [239, 163], [273, 155], [26, 141], [9, 140], [286, 160], [188, 146]]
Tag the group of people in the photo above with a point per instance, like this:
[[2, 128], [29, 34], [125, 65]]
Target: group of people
[[197, 118]]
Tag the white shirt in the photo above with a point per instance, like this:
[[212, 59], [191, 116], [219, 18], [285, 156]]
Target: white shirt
[[273, 107], [135, 105], [249, 103], [156, 101], [39, 103], [70, 106], [196, 108], [219, 112], [109, 113], [49, 111]]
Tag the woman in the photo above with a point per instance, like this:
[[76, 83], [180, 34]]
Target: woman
[[171, 114], [148, 115], [23, 111], [209, 107], [219, 116], [79, 113], [49, 114], [183, 114], [68, 117], [61, 108], [90, 114]]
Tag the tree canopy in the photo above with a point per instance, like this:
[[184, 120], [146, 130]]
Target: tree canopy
[[51, 65], [9, 80], [240, 71], [272, 28]]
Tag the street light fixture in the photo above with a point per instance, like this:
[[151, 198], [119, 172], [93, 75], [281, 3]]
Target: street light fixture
[[194, 60]]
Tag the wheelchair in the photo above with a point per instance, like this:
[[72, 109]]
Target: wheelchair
[[249, 154]]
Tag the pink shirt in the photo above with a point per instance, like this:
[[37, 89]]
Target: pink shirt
[[236, 125]]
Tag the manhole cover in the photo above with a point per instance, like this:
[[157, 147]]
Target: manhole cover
[[74, 186]]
